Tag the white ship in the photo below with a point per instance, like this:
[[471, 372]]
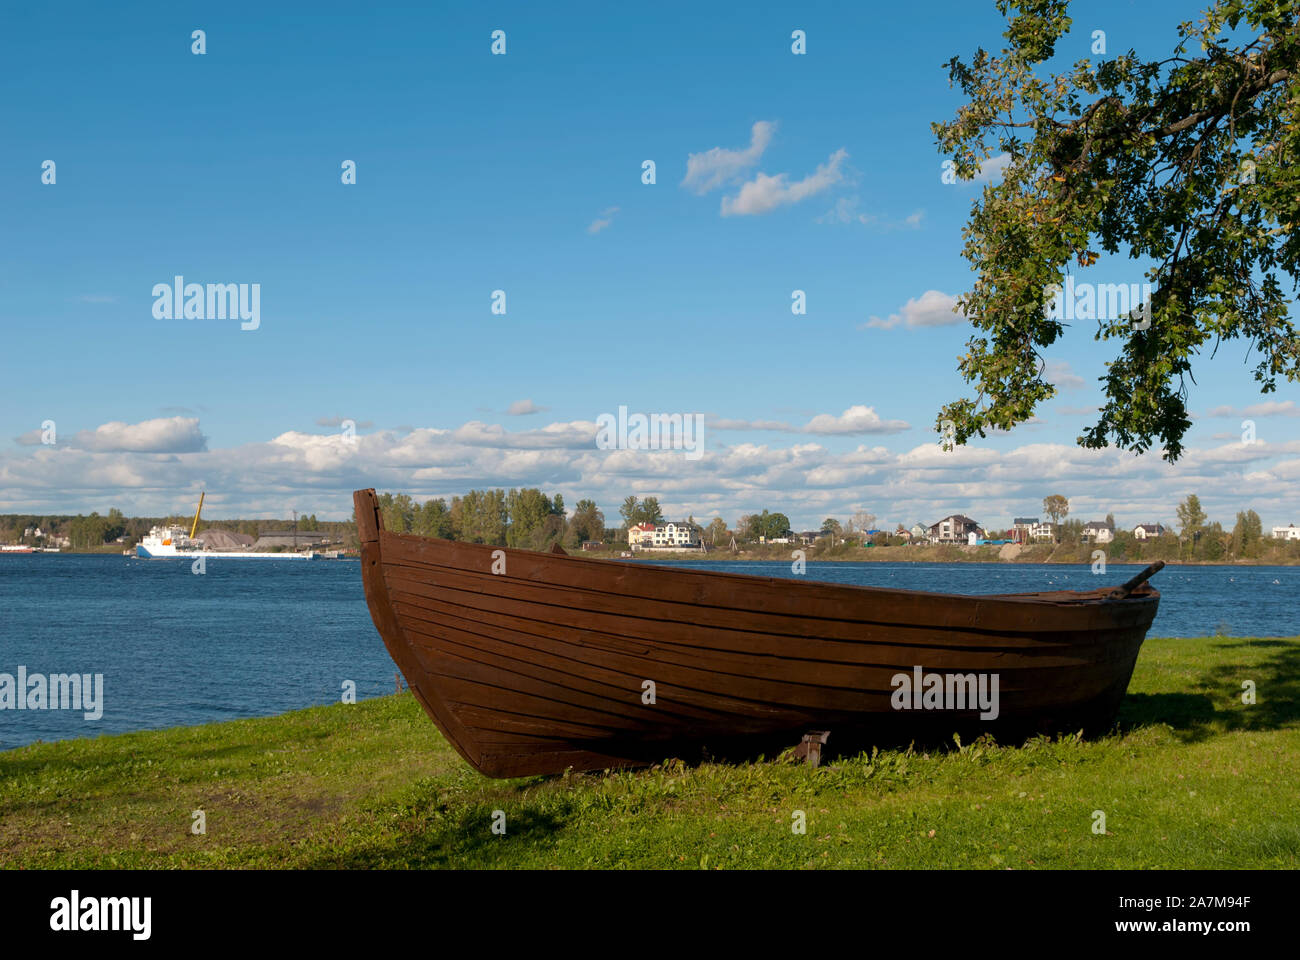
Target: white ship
[[165, 542]]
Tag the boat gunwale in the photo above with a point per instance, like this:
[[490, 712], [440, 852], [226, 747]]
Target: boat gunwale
[[1064, 598]]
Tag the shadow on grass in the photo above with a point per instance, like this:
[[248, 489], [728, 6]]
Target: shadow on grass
[[1198, 716], [439, 841]]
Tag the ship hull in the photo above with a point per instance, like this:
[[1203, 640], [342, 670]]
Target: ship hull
[[164, 553]]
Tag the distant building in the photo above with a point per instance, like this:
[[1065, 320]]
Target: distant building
[[1098, 531], [674, 534], [592, 544], [956, 528], [640, 534], [1043, 530], [1144, 531], [919, 531], [809, 537], [1020, 529], [1289, 532]]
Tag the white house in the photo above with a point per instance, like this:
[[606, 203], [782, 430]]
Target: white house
[[1289, 532], [678, 534], [640, 534], [1026, 529], [1098, 532], [1144, 531]]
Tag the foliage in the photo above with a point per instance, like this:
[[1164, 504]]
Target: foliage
[[1190, 516], [1057, 507], [1187, 163], [635, 511], [766, 525]]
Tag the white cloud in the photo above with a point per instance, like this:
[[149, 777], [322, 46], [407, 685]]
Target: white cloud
[[162, 435], [992, 168], [846, 210], [855, 420], [576, 434], [930, 309], [522, 408], [1269, 408], [764, 194], [604, 220], [1058, 373], [711, 169], [810, 477]]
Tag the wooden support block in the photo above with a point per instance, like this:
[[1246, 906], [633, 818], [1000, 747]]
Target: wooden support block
[[811, 747]]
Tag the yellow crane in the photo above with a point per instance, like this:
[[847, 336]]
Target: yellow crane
[[194, 527]]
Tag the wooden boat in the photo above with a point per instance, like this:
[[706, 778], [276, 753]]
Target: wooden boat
[[532, 663]]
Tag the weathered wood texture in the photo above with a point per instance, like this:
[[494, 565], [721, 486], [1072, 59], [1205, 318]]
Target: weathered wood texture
[[544, 665]]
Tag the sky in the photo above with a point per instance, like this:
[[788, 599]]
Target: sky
[[377, 358]]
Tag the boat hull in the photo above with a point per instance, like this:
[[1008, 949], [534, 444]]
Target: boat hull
[[555, 662]]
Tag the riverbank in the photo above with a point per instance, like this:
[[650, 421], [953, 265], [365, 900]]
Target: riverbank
[[1285, 556], [1194, 778]]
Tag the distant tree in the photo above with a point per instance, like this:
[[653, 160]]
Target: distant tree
[[434, 520], [397, 511], [1211, 545], [831, 525], [526, 512], [645, 511], [629, 511], [1191, 518], [1057, 507], [1247, 534], [480, 517], [863, 521], [717, 531], [767, 525], [587, 523], [1110, 520]]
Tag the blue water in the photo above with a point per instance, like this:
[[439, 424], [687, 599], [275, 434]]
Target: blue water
[[246, 638], [257, 638]]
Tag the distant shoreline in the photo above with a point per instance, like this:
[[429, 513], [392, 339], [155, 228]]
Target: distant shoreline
[[941, 554]]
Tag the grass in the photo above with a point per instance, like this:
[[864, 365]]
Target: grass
[[1191, 778]]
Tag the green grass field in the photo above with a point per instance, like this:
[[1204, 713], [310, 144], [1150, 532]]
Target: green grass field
[[1192, 778]]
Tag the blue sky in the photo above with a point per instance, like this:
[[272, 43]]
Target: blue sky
[[523, 173]]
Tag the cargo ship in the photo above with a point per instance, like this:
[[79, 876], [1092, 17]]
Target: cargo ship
[[169, 542]]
